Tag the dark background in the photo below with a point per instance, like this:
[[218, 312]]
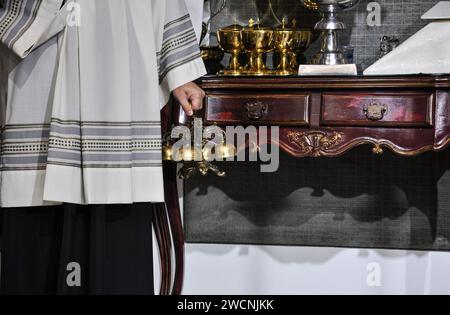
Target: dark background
[[400, 18]]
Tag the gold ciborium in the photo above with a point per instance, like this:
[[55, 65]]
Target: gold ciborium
[[212, 57], [257, 41], [302, 40], [290, 44], [230, 40], [284, 44]]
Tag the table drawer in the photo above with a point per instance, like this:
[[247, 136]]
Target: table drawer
[[387, 110], [258, 109]]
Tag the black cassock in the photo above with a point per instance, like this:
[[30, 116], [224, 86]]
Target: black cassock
[[72, 249]]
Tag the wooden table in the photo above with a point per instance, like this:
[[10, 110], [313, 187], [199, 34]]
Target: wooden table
[[317, 116]]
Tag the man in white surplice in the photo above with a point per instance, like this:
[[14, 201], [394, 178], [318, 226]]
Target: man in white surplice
[[82, 83], [81, 119]]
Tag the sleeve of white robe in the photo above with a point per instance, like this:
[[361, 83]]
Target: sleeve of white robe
[[178, 53], [25, 24]]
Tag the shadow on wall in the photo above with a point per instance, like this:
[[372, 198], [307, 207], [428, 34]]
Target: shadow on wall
[[358, 200]]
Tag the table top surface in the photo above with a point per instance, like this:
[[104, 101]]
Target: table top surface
[[302, 82]]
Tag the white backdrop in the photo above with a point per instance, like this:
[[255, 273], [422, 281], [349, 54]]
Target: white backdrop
[[215, 269], [227, 269]]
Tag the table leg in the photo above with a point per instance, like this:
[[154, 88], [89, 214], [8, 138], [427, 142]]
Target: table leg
[[176, 224], [162, 232]]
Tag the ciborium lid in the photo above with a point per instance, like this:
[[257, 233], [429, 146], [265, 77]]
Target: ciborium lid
[[232, 27], [256, 26], [284, 26]]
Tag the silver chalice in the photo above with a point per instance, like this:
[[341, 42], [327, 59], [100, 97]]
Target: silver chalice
[[329, 25]]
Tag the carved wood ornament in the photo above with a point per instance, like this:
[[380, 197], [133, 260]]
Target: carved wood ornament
[[315, 143]]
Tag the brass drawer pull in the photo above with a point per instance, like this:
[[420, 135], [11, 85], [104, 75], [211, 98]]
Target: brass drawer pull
[[256, 110], [375, 111]]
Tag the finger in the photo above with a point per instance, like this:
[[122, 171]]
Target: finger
[[196, 101], [183, 99], [186, 105]]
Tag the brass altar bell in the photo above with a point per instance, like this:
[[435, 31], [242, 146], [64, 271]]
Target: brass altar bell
[[258, 41], [230, 41], [199, 157]]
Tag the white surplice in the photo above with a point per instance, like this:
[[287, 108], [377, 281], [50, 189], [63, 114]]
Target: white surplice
[[81, 110]]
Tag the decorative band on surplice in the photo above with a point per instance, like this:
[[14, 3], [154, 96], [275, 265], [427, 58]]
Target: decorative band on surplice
[[16, 17], [179, 46], [81, 145]]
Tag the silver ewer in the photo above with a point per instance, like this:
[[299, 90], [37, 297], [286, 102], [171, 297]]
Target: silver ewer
[[330, 24]]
